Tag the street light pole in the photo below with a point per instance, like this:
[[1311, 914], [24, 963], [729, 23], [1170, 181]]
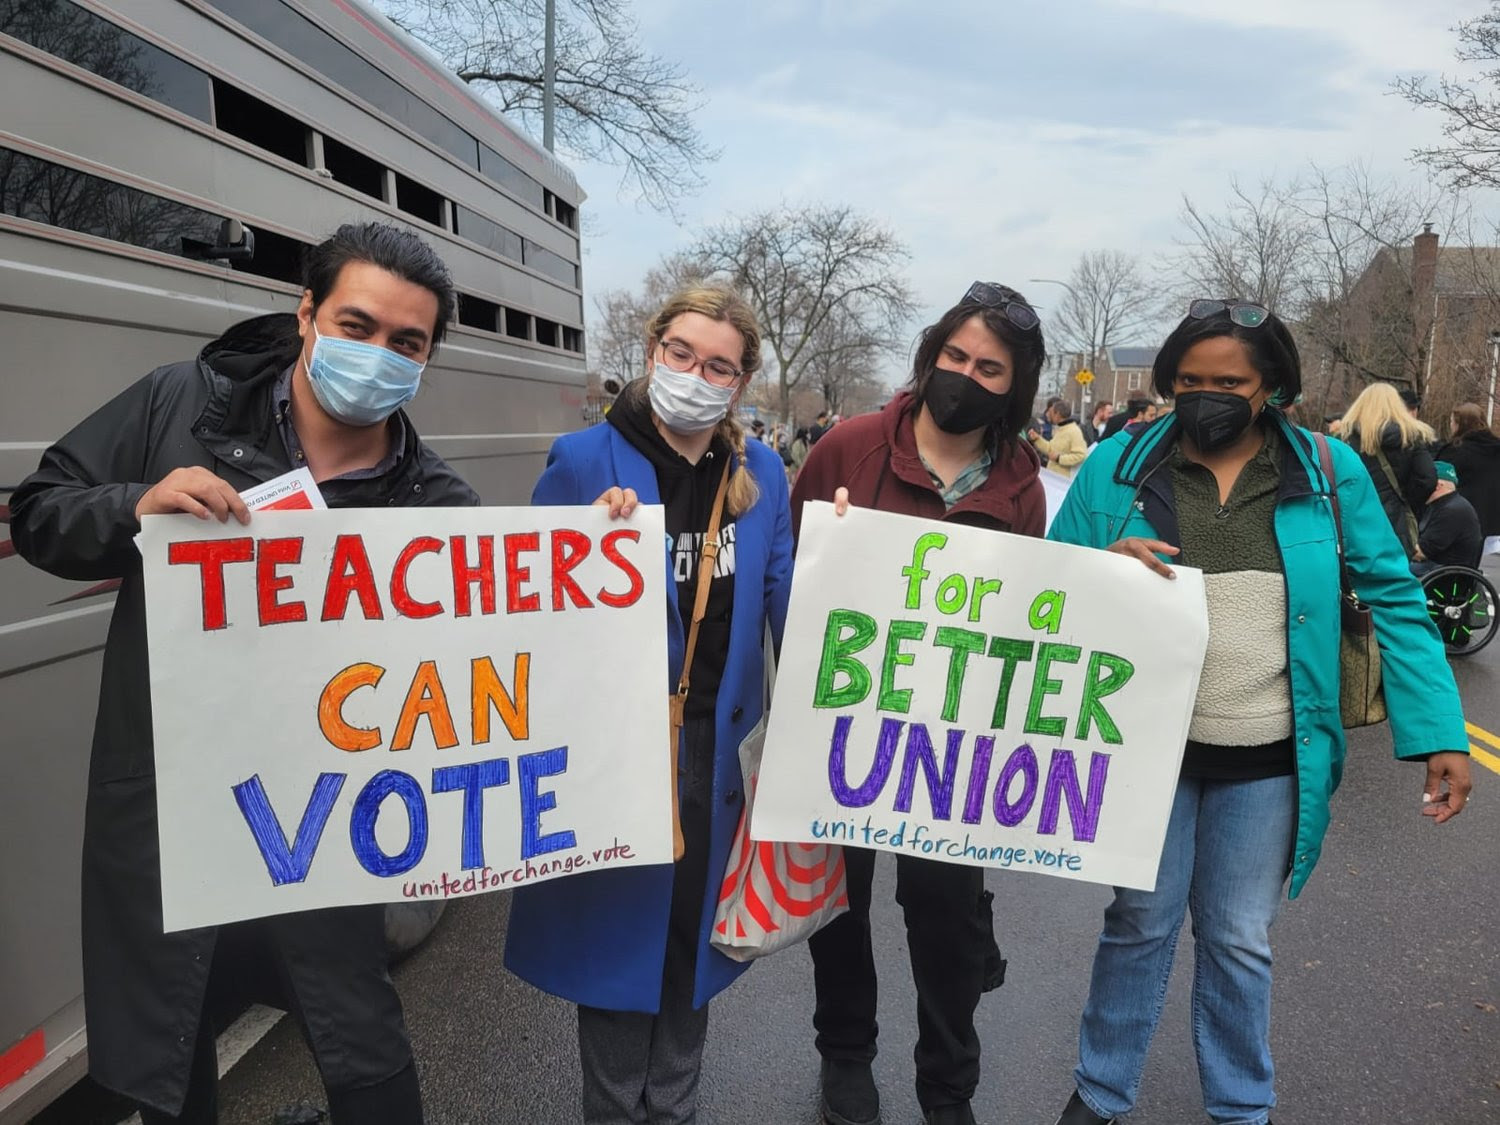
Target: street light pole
[[1489, 411], [549, 73], [1086, 396]]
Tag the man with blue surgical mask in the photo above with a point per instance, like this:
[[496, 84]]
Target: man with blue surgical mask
[[322, 389]]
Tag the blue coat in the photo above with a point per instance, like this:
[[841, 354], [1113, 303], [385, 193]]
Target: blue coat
[[600, 938], [1118, 493]]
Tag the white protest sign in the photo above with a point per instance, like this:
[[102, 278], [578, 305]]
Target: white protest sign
[[359, 706], [977, 697]]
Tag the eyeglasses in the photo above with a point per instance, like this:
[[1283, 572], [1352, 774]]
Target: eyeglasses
[[1243, 313], [1019, 313], [680, 357]]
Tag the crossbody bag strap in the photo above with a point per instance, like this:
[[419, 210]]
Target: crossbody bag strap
[[1396, 490], [1325, 459], [706, 563]]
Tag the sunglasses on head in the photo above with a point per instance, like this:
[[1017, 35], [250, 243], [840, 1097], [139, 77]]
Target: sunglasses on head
[[1243, 313], [1019, 313]]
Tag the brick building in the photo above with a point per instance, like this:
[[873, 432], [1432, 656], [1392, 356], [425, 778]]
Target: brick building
[[1419, 317]]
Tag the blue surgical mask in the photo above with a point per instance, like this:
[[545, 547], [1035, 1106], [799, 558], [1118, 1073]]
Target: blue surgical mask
[[360, 384], [685, 403]]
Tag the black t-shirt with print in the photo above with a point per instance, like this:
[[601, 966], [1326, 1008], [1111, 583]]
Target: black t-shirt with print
[[687, 493]]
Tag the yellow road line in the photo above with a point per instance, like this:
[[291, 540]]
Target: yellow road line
[[1484, 758], [1483, 735]]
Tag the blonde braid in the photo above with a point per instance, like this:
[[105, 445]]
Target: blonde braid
[[743, 491]]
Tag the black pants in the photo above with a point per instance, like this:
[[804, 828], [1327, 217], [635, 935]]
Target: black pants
[[947, 939], [644, 1069], [332, 979]]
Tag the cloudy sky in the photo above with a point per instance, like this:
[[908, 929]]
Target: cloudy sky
[[1003, 138]]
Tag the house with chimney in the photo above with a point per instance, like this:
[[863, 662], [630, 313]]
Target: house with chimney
[[1424, 317]]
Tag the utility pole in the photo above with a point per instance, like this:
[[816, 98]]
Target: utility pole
[[549, 68], [1489, 408]]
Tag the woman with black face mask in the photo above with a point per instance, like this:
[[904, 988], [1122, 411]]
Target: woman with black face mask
[[1228, 485], [946, 448]]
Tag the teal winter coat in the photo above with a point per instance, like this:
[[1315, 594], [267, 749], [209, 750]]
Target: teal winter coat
[[1124, 489]]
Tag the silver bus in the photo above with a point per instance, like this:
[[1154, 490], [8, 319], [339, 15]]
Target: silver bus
[[163, 166]]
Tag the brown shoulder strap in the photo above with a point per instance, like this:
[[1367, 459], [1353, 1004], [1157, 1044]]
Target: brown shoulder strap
[[706, 563]]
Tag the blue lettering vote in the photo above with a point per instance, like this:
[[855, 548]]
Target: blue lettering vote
[[288, 865]]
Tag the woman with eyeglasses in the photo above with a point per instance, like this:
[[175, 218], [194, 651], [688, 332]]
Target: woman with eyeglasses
[[1227, 484], [631, 946], [948, 447]]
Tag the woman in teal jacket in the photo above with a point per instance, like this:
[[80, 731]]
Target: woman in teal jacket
[[1227, 484]]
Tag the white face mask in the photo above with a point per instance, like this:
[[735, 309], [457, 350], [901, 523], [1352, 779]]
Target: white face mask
[[685, 403]]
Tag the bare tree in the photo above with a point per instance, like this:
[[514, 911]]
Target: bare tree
[[1253, 249], [617, 348], [845, 363], [1108, 300], [1470, 108], [808, 271], [615, 102]]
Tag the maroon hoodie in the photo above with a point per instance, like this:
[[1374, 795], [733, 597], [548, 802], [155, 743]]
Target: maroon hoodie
[[875, 457]]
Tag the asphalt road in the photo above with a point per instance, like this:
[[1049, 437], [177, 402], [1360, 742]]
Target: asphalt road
[[1387, 985]]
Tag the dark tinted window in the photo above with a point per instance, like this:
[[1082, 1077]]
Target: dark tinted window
[[64, 197], [276, 256], [476, 312], [546, 332], [507, 175], [553, 265], [264, 126], [304, 40], [476, 228], [354, 168], [517, 324], [419, 200], [80, 37]]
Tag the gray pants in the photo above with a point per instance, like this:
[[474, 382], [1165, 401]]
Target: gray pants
[[639, 1068]]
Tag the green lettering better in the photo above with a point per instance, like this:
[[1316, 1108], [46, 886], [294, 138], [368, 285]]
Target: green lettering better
[[1044, 685], [1116, 672], [891, 698], [838, 656]]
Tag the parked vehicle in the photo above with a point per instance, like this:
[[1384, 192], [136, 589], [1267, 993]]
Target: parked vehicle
[[163, 165]]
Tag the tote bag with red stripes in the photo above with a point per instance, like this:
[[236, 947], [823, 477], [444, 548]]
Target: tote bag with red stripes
[[774, 894]]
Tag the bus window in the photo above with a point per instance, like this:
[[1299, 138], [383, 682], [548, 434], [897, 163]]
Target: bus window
[[264, 126], [419, 200], [476, 312], [76, 35], [353, 168]]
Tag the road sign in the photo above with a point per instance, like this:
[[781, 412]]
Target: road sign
[[1084, 377]]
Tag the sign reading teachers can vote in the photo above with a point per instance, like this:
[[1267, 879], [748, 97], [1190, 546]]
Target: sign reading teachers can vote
[[366, 706], [977, 697]]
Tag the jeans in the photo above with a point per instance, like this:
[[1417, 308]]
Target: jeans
[[947, 937], [1225, 858]]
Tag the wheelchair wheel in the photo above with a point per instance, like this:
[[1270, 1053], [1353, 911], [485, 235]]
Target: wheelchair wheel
[[1463, 605]]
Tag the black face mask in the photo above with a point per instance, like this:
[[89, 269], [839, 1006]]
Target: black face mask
[[1213, 419], [959, 405]]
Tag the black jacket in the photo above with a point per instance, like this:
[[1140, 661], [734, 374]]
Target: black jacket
[[1476, 456], [1450, 532], [1415, 480], [75, 517]]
